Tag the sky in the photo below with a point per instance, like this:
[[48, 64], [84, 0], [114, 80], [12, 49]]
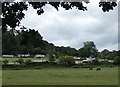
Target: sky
[[73, 27]]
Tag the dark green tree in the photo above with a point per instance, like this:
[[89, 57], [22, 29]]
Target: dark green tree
[[117, 60], [112, 55], [51, 57], [88, 50], [9, 43], [61, 51], [104, 53]]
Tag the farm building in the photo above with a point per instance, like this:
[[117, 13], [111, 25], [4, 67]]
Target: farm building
[[39, 56], [111, 61], [23, 55], [102, 60], [78, 62], [39, 60], [12, 63], [77, 58], [8, 56]]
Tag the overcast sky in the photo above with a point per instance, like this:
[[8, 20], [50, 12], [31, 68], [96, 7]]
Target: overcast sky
[[73, 27]]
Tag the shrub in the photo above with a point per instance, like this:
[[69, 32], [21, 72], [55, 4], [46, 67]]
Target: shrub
[[117, 60], [96, 62], [68, 60], [75, 66], [98, 68], [51, 57], [37, 67], [28, 61], [21, 61], [5, 61]]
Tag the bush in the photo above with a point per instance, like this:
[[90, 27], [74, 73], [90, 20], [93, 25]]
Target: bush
[[75, 66], [21, 61], [67, 60], [117, 60], [96, 62], [51, 57], [5, 61], [37, 67], [28, 61], [106, 63], [16, 69]]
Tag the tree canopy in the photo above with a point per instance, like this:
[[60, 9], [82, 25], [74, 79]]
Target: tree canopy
[[88, 50], [12, 12], [31, 42]]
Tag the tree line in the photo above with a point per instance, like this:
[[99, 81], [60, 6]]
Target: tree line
[[31, 42]]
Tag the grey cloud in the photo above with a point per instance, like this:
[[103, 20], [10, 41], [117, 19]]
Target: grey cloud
[[73, 27]]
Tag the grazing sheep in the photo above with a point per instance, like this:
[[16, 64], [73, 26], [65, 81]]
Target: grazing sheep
[[98, 69]]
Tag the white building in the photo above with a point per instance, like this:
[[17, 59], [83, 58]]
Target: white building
[[78, 58], [8, 56], [39, 60], [12, 63], [24, 55], [78, 62], [39, 56], [101, 60], [111, 61], [84, 61], [90, 59]]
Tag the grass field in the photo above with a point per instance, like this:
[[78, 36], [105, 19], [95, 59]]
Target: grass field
[[14, 59], [61, 76]]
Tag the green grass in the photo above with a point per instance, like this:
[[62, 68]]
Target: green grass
[[61, 76], [14, 59]]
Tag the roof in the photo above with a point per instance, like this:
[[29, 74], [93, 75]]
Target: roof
[[76, 57]]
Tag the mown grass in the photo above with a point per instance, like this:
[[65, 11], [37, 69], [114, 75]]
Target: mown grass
[[61, 76], [14, 59]]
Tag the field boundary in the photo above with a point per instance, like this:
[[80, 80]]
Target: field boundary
[[60, 86]]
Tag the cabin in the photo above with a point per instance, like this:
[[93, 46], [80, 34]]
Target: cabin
[[39, 56], [90, 59], [7, 56], [111, 61], [85, 61], [23, 55], [12, 63], [101, 60], [77, 58], [78, 62], [39, 60]]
